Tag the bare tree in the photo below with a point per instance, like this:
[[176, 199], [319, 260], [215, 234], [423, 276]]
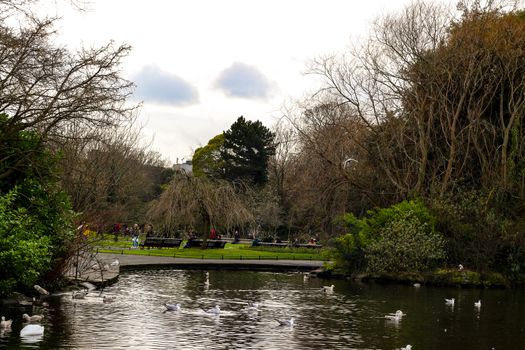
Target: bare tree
[[45, 88]]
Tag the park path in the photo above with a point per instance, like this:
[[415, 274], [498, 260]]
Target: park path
[[131, 261]]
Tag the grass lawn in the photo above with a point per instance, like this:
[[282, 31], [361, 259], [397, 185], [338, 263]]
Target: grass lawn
[[230, 251]]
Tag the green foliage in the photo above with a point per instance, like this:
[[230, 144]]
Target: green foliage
[[477, 233], [24, 249], [35, 214], [207, 160], [405, 244], [246, 150], [401, 238]]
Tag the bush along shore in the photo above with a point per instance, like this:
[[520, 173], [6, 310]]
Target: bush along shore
[[404, 244], [440, 277]]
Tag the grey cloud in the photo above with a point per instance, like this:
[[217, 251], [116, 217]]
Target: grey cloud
[[156, 85], [242, 80]]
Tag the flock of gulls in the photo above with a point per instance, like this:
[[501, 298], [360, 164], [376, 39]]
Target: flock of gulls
[[34, 328]]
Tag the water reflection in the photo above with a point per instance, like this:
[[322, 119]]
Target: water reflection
[[353, 317]]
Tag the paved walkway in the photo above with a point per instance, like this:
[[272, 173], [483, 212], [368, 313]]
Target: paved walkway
[[132, 261]]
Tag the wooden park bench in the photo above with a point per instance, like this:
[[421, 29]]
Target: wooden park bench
[[215, 243], [271, 244], [210, 243], [160, 242], [307, 245]]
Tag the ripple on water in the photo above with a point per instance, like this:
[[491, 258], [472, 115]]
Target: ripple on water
[[350, 318]]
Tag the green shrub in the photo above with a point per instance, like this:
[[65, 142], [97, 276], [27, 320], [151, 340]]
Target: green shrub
[[404, 244], [24, 251], [35, 214], [477, 234], [401, 238]]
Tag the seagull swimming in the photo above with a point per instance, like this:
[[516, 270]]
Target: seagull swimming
[[397, 316], [40, 290], [109, 298], [477, 304], [34, 318], [253, 306], [31, 330], [214, 310], [5, 324], [417, 285], [172, 307], [450, 301], [80, 294], [289, 322], [328, 289]]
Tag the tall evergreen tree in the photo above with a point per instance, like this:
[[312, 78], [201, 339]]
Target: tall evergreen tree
[[247, 147]]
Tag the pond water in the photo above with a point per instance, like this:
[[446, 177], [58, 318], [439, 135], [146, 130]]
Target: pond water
[[350, 318]]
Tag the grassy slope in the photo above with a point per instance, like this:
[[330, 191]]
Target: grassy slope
[[231, 251]]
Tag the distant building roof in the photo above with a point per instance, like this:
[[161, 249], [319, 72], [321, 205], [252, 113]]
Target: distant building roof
[[185, 167]]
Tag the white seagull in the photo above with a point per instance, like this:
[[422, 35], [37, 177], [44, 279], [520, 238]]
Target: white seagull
[[115, 264], [328, 289], [34, 318], [172, 307], [5, 324], [40, 290], [408, 347], [397, 316], [289, 322], [80, 294], [109, 298], [253, 306], [450, 301], [214, 310], [31, 330], [477, 304], [417, 285]]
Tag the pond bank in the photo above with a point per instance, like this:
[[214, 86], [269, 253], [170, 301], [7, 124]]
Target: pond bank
[[439, 277]]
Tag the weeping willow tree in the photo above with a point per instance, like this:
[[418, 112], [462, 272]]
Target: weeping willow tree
[[200, 203]]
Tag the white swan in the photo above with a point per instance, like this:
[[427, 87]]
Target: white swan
[[214, 310], [460, 267], [5, 324], [408, 347], [450, 301], [417, 285], [289, 322], [397, 316], [34, 318], [477, 304], [31, 330], [328, 289], [172, 307]]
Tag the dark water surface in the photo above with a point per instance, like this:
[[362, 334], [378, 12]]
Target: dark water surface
[[350, 318]]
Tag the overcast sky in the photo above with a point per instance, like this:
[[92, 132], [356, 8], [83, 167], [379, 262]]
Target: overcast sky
[[200, 64]]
